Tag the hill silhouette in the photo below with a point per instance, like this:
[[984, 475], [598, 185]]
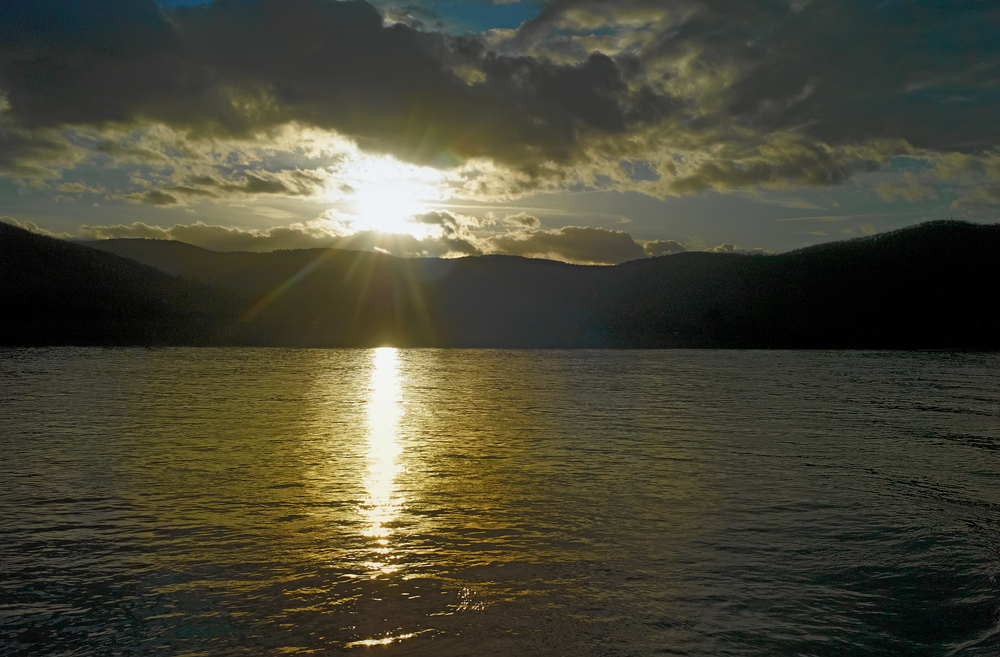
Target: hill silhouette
[[54, 292], [930, 286]]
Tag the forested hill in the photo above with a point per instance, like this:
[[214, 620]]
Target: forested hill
[[54, 292], [936, 285]]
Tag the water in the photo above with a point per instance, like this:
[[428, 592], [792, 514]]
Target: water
[[425, 502]]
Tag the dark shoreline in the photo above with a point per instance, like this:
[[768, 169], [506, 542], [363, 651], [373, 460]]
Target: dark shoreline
[[929, 287]]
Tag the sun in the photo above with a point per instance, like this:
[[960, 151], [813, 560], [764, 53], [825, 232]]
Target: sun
[[388, 194], [389, 209]]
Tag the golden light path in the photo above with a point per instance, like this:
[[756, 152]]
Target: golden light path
[[382, 504]]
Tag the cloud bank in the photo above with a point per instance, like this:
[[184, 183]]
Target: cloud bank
[[665, 99], [456, 238]]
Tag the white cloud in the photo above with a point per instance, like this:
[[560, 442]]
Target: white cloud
[[570, 244], [31, 227]]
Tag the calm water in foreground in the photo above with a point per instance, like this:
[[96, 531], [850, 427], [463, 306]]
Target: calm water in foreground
[[425, 502]]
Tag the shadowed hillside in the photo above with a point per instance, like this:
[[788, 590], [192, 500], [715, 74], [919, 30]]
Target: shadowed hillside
[[54, 292], [930, 286]]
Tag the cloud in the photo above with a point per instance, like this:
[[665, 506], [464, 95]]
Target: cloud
[[31, 227], [841, 71], [240, 67], [293, 182], [726, 248], [38, 154], [570, 244], [794, 203], [981, 198], [305, 235], [221, 238], [707, 94], [454, 236], [522, 220], [663, 247], [250, 184], [849, 71], [866, 229], [733, 249], [77, 188], [153, 197], [455, 230], [912, 191]]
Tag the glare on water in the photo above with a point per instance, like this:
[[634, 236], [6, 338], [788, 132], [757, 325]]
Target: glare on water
[[436, 502], [382, 503]]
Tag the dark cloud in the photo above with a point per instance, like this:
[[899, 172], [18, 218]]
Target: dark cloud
[[241, 66], [86, 61], [34, 153], [769, 93], [842, 71], [455, 230], [287, 183], [594, 92], [850, 71], [118, 151], [300, 183], [776, 162], [185, 190], [522, 220], [900, 75], [153, 197]]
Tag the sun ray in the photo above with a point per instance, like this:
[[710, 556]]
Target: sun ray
[[269, 298]]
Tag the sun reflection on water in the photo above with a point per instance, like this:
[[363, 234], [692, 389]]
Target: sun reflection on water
[[367, 643], [382, 504]]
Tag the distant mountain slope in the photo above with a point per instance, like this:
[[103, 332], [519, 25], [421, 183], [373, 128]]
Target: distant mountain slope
[[175, 258], [55, 292], [935, 285], [323, 297]]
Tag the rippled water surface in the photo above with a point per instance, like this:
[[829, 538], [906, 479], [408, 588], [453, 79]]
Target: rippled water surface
[[216, 502]]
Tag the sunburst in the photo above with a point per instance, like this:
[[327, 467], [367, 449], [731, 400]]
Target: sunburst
[[389, 194]]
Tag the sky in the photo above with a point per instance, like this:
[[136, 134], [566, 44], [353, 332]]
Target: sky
[[581, 130]]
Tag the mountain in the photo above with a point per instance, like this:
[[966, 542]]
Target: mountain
[[934, 285], [54, 292]]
